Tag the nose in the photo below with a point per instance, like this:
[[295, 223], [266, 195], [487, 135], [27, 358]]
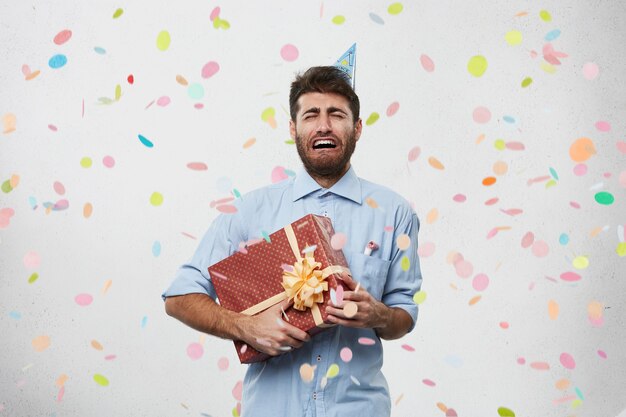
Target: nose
[[324, 125]]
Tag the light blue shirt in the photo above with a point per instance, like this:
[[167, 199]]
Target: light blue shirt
[[363, 211]]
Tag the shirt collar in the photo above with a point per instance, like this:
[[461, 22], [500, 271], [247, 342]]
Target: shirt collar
[[348, 186]]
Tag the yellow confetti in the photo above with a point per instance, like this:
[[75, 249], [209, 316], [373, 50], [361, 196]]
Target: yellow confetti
[[432, 216], [163, 40], [580, 262], [87, 210], [513, 37], [371, 202], [477, 65], [156, 199], [419, 297], [405, 263], [339, 20], [333, 371]]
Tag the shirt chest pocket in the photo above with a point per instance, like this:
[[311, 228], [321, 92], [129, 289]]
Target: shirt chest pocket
[[369, 271]]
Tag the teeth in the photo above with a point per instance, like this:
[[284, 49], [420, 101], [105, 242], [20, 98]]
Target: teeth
[[323, 142]]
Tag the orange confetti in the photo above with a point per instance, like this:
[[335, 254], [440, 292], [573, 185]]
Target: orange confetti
[[595, 232], [272, 122], [434, 162], [400, 397], [553, 310], [595, 310], [474, 300], [61, 380], [432, 216], [96, 345], [107, 285], [87, 210], [480, 138], [540, 366], [582, 149], [181, 80], [562, 384], [489, 181], [249, 143], [442, 407], [41, 343], [500, 168], [371, 202], [520, 14]]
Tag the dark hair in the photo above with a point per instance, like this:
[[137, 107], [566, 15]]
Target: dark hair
[[323, 80]]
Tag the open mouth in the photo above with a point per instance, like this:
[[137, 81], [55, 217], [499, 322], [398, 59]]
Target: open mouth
[[324, 144]]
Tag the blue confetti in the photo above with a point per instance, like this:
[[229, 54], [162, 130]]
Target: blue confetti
[[552, 35], [290, 173], [99, 50], [563, 239], [144, 321], [32, 201], [57, 61], [579, 393], [377, 19], [509, 119], [554, 174], [15, 315], [454, 361], [156, 248], [266, 236], [145, 141], [236, 193]]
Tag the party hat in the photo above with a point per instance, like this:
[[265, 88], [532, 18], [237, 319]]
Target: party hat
[[347, 63]]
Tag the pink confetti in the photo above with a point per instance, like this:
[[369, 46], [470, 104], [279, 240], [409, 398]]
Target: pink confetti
[[621, 146], [338, 240], [528, 240], [393, 108], [408, 348], [62, 37], [603, 126], [53, 128], [540, 366], [428, 382], [426, 249], [567, 360], [278, 174], [163, 101], [61, 393], [602, 354], [414, 153], [83, 300], [108, 161], [480, 282], [388, 228], [427, 63], [512, 212], [289, 52], [345, 354], [61, 205], [226, 208], [591, 70], [339, 294], [109, 357], [222, 364], [492, 201], [574, 204], [580, 169], [366, 341], [492, 232], [58, 188], [195, 351], [198, 106], [540, 249], [515, 146], [5, 217], [521, 360], [214, 13], [570, 276], [197, 166], [622, 179], [238, 390], [210, 69], [450, 412], [463, 268], [481, 115], [459, 198], [504, 325], [32, 260]]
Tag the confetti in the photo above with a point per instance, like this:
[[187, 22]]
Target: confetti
[[570, 276], [567, 360], [195, 351], [513, 37], [427, 63], [590, 70], [481, 115], [350, 309], [604, 198], [435, 163], [372, 119], [156, 199], [41, 343], [222, 364], [338, 241], [477, 65], [333, 371], [210, 69], [366, 341], [480, 282], [376, 19], [83, 300], [553, 310], [62, 37], [9, 122], [163, 40], [34, 277], [268, 116], [118, 13], [540, 366], [505, 412], [338, 20], [147, 143], [540, 249], [545, 16], [526, 82], [289, 52], [403, 241], [5, 217], [426, 249], [393, 108], [101, 380], [307, 372], [428, 382], [195, 91], [32, 260], [395, 8], [57, 61], [156, 248], [345, 354], [414, 153]]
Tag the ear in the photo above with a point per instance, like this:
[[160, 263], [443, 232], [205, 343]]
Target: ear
[[292, 129], [358, 128]]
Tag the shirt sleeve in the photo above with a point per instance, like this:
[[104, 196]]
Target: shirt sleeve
[[220, 241], [404, 278]]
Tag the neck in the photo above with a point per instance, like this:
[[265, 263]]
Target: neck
[[327, 181]]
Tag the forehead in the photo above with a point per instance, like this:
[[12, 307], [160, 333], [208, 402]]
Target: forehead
[[322, 101]]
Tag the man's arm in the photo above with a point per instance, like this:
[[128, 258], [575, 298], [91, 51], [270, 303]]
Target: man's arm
[[266, 331]]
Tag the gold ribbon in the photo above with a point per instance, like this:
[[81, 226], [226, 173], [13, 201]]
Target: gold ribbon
[[305, 284]]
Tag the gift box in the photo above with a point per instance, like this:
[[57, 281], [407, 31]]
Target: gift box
[[296, 262]]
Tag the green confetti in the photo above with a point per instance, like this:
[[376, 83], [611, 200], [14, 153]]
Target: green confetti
[[526, 82], [118, 13], [395, 8], [163, 40], [6, 186], [101, 380], [505, 412], [405, 263], [372, 119], [236, 193], [545, 16], [554, 174], [550, 183], [290, 142], [33, 278], [266, 236], [604, 198], [118, 92]]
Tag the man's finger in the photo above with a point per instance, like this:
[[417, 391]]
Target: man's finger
[[347, 279]]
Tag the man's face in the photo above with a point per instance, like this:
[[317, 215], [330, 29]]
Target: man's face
[[325, 134]]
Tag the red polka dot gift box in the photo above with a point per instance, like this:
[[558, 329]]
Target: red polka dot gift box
[[297, 262]]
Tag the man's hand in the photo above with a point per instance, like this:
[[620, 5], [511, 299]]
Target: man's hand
[[389, 323], [267, 332]]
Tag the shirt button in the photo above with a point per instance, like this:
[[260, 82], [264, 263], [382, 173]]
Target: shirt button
[[319, 358], [315, 396]]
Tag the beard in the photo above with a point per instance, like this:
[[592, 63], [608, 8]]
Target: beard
[[328, 166]]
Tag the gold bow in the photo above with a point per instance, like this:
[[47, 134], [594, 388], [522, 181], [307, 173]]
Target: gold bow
[[306, 283]]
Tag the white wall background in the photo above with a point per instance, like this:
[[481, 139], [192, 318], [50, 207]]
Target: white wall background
[[472, 362]]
